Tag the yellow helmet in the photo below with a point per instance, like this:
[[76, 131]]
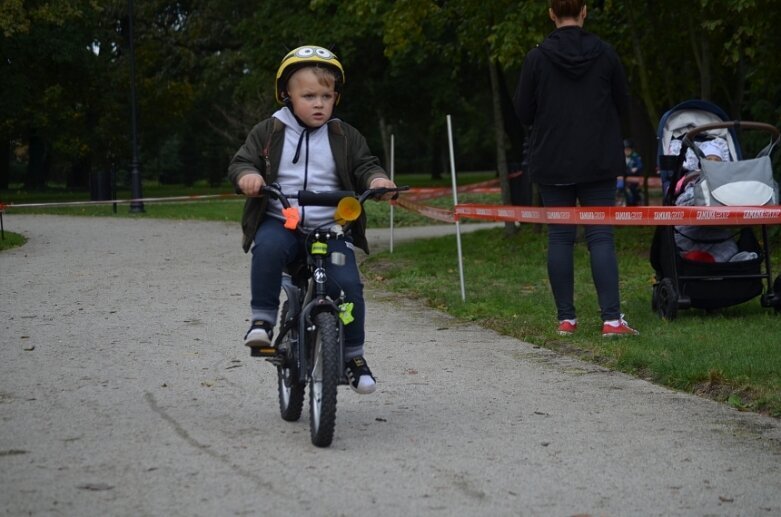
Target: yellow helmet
[[303, 56]]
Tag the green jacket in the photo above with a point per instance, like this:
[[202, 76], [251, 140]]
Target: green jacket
[[262, 151]]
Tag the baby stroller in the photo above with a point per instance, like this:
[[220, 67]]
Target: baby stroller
[[736, 267]]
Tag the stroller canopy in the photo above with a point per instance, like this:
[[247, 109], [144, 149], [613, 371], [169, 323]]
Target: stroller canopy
[[690, 114]]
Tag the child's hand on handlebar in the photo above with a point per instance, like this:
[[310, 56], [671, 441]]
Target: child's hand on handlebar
[[250, 184], [383, 183]]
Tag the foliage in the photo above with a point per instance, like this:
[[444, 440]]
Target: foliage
[[48, 78], [205, 73]]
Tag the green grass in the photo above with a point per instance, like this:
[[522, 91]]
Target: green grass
[[732, 355], [11, 240], [219, 209], [210, 209]]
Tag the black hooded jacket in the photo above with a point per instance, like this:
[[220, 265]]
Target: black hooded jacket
[[573, 93]]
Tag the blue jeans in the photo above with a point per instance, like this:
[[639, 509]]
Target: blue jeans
[[276, 247], [599, 238]]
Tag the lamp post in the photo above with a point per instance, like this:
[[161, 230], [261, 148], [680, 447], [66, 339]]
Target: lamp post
[[135, 173]]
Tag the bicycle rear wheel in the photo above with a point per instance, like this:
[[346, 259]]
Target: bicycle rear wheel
[[291, 391], [324, 379]]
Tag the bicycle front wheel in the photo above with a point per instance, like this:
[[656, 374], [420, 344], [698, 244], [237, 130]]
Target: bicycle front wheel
[[324, 379], [291, 391]]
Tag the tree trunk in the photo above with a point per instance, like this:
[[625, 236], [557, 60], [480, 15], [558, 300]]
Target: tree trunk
[[642, 70], [37, 162], [439, 158], [500, 137], [79, 173], [216, 165], [706, 88], [740, 89], [81, 170], [520, 183], [701, 53], [5, 162], [385, 134]]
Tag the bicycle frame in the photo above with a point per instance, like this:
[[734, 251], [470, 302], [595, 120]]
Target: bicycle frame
[[309, 347], [307, 294]]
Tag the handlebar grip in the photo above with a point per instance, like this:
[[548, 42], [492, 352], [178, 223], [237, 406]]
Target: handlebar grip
[[330, 198]]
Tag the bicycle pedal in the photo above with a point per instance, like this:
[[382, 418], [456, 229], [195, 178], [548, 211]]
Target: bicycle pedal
[[265, 351]]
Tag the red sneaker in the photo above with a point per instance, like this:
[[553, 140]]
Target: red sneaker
[[621, 329], [567, 328]]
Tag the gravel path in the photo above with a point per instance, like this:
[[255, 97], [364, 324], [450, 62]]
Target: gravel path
[[125, 390]]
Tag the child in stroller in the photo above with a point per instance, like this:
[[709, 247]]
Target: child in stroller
[[704, 243], [711, 267]]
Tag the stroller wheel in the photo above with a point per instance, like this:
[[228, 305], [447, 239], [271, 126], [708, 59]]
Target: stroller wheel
[[777, 294], [667, 300]]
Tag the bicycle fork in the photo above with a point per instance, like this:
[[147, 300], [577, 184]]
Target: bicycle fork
[[302, 306]]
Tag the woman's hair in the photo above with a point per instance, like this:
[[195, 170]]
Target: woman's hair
[[566, 8]]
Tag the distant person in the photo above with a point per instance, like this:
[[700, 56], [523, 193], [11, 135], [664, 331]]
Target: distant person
[[301, 146], [634, 168], [572, 92]]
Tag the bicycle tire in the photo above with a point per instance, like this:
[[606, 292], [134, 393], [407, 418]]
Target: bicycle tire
[[324, 379], [291, 391]]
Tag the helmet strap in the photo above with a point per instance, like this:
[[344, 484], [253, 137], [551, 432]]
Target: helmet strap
[[304, 133], [289, 105], [300, 122]]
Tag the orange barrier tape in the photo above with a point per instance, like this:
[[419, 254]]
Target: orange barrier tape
[[426, 193], [625, 216], [485, 187], [439, 214], [121, 201]]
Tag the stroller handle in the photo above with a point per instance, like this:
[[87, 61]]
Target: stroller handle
[[688, 139], [737, 124]]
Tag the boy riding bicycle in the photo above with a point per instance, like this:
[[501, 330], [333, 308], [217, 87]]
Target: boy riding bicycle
[[301, 147]]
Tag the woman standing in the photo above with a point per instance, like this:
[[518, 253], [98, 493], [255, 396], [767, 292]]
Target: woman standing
[[573, 92]]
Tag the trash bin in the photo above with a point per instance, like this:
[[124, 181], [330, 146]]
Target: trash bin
[[100, 185]]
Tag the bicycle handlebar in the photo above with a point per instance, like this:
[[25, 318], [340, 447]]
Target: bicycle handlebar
[[330, 198], [379, 192]]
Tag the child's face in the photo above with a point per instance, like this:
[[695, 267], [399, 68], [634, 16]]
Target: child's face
[[313, 97]]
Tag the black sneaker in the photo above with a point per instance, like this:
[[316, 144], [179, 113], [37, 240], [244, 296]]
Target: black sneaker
[[359, 376], [259, 335]]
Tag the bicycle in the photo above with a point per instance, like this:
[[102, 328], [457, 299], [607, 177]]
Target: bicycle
[[309, 334]]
